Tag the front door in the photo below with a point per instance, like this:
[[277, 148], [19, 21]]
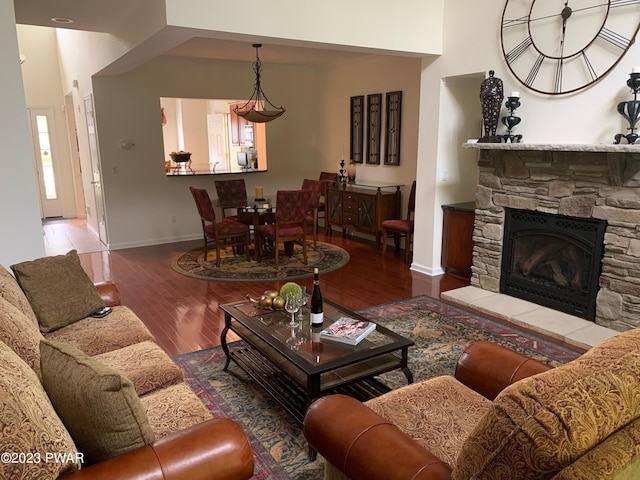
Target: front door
[[46, 161]]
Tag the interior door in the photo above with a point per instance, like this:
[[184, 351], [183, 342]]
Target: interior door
[[46, 161], [218, 148], [96, 182]]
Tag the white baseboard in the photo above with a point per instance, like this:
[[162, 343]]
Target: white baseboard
[[155, 241], [432, 272]]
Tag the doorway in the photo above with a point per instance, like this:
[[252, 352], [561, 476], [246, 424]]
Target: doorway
[[42, 124]]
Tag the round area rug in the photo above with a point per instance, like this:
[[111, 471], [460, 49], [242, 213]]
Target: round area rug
[[235, 268]]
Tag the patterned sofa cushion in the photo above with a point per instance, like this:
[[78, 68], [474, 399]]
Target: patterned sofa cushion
[[11, 291], [29, 424], [439, 413], [99, 407], [58, 289], [94, 336], [21, 334], [145, 364], [173, 409], [541, 424]]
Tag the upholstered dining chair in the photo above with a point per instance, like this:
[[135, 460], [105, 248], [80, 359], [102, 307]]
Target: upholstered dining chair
[[219, 232], [327, 178], [231, 194], [316, 189], [292, 210], [401, 227]]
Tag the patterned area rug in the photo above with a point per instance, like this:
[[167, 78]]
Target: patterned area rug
[[440, 331], [236, 268]]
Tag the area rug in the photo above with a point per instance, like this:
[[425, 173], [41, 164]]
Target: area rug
[[236, 268], [440, 332]]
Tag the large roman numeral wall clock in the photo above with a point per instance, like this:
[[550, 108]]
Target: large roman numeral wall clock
[[562, 46]]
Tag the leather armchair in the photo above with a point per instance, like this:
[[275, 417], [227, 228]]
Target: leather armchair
[[503, 416]]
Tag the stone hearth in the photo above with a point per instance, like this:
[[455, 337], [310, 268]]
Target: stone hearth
[[587, 181]]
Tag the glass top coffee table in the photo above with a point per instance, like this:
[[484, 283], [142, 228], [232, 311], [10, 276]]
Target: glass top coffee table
[[295, 366]]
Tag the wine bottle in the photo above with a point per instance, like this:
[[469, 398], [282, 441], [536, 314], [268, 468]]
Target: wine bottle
[[316, 301]]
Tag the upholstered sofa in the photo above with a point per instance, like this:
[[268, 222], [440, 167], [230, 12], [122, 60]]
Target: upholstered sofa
[[503, 416], [97, 398]]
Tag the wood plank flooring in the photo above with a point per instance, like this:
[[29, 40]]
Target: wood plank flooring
[[183, 312]]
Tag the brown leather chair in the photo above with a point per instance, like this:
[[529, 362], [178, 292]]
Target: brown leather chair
[[228, 230], [401, 227], [292, 210], [316, 189]]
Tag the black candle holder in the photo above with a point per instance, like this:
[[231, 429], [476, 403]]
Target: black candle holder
[[343, 173], [630, 110], [511, 121]]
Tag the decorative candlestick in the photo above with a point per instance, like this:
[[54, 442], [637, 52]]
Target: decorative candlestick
[[343, 173], [630, 109], [512, 103]]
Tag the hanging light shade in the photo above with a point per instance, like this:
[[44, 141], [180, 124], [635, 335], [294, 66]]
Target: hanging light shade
[[258, 109]]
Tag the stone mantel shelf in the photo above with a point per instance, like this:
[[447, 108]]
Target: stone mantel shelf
[[557, 147]]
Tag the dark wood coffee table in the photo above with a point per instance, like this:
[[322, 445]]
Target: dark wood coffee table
[[295, 367]]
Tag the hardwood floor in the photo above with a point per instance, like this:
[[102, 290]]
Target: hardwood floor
[[183, 312]]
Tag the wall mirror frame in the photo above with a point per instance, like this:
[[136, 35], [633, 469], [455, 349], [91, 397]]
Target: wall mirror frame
[[204, 137]]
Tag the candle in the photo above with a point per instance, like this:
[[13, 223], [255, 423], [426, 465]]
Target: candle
[[514, 94], [259, 192], [635, 69]]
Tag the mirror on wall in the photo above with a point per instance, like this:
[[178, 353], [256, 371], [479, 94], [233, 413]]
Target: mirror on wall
[[204, 137]]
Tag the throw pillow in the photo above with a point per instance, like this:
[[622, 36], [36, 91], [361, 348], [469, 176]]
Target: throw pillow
[[99, 407], [21, 334], [30, 426], [59, 290], [11, 291]]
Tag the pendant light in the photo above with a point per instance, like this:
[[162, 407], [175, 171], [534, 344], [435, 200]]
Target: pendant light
[[258, 109]]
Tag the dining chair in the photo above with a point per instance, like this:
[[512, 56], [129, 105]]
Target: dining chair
[[219, 232], [327, 178], [401, 227], [231, 195], [316, 189], [292, 210]]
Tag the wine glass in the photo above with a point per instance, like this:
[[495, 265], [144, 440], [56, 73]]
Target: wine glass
[[293, 303], [304, 300]]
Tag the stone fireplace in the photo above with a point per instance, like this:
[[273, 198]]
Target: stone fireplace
[[598, 183]]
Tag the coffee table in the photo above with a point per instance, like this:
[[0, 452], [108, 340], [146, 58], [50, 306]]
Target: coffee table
[[295, 366]]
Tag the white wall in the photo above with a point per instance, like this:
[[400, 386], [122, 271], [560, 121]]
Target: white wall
[[374, 75], [141, 201], [22, 236], [403, 25], [586, 117]]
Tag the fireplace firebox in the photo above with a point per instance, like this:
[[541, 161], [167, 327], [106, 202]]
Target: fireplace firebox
[[552, 260]]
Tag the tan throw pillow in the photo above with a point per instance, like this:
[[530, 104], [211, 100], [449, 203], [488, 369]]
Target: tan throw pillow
[[99, 407], [59, 290], [30, 427]]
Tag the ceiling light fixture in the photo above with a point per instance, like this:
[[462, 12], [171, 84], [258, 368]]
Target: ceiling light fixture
[[258, 109], [61, 20]]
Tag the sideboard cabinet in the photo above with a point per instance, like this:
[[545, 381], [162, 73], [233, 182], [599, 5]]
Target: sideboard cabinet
[[362, 207]]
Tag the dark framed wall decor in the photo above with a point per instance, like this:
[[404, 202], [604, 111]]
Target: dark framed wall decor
[[357, 128], [374, 120], [394, 114]]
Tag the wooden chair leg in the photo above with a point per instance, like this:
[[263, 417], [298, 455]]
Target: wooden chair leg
[[304, 250], [315, 229], [384, 241], [217, 254], [246, 245], [276, 246], [257, 236], [407, 246]]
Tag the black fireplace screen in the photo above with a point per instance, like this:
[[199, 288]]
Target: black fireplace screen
[[553, 260]]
